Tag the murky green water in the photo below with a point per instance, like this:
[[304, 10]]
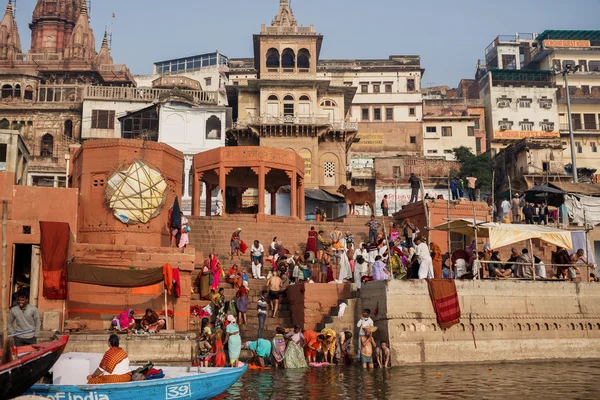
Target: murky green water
[[553, 380]]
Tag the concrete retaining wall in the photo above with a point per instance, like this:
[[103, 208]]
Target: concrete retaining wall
[[501, 321]]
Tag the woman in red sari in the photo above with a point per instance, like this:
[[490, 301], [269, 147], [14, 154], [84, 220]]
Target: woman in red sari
[[311, 244], [234, 276], [215, 270], [219, 360]]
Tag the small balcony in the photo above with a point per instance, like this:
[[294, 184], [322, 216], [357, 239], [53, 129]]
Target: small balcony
[[581, 127], [349, 124], [579, 95]]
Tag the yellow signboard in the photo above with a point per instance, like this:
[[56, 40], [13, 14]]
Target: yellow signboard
[[371, 139], [567, 43], [524, 134]]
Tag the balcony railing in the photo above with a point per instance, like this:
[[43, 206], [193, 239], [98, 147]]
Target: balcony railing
[[145, 94], [593, 94], [581, 127], [347, 124]]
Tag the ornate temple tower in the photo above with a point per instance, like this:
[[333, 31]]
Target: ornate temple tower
[[10, 43], [52, 25], [104, 56], [83, 43]]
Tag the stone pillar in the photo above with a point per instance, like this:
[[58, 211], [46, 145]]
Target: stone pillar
[[301, 207], [274, 202], [261, 190], [223, 186], [196, 195], [208, 199], [293, 194], [187, 166]]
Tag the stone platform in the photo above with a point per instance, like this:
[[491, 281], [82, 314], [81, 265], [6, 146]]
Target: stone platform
[[501, 321]]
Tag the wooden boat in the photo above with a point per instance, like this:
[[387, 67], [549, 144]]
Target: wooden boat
[[33, 362], [178, 383]]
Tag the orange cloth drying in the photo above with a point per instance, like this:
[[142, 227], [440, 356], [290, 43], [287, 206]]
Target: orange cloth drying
[[168, 275]]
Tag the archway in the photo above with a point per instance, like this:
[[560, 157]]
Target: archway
[[272, 58], [304, 59], [47, 146], [288, 59]]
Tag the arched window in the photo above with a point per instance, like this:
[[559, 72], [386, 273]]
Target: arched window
[[68, 128], [288, 105], [272, 58], [7, 91], [304, 106], [28, 92], [303, 59], [288, 59], [213, 128], [18, 91], [328, 103], [47, 146], [4, 124], [273, 98]]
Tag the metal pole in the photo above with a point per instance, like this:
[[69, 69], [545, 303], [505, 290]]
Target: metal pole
[[4, 274], [493, 197], [571, 138], [448, 216], [476, 238], [587, 254]]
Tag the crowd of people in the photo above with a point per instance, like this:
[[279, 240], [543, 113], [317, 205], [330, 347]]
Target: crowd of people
[[519, 211], [221, 345]]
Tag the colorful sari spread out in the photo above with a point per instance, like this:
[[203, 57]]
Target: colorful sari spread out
[[294, 355], [112, 358], [219, 359], [445, 301], [278, 348]]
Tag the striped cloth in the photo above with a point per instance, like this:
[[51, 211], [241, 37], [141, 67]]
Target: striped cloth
[[445, 301]]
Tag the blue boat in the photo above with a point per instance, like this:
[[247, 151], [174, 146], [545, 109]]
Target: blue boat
[[179, 383]]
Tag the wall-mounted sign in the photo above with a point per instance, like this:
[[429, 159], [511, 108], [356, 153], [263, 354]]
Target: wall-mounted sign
[[524, 134], [567, 43], [307, 157], [370, 139]]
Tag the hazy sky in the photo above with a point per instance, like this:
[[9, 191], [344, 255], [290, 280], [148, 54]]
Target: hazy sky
[[450, 36]]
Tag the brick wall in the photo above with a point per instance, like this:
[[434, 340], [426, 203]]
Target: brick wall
[[424, 168]]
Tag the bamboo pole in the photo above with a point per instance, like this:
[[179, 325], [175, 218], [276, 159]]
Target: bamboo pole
[[4, 275], [476, 228], [166, 309], [532, 258]]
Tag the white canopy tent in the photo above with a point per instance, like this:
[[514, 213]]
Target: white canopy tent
[[501, 235]]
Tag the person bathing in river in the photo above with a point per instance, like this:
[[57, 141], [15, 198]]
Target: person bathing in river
[[312, 345], [382, 353], [278, 348], [261, 350], [366, 351]]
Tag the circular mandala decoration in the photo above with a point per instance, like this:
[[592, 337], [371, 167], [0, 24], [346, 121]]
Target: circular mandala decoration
[[136, 193]]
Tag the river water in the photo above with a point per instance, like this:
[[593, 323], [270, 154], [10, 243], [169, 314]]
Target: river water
[[550, 380]]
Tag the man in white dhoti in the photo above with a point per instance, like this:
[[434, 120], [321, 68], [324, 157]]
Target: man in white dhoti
[[219, 204], [425, 261]]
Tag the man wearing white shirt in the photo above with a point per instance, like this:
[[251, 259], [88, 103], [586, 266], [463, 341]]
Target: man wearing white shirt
[[506, 207], [425, 261], [364, 322], [257, 252]]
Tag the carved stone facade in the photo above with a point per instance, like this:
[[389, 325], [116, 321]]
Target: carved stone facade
[[286, 106], [42, 92]]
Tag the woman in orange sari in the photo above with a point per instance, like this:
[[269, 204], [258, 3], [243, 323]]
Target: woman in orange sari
[[234, 276], [114, 367], [219, 360], [436, 256]]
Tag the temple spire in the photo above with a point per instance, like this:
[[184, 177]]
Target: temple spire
[[104, 56], [285, 16], [10, 43]]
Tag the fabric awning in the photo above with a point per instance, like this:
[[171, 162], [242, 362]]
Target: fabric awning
[[501, 235], [321, 195], [113, 277]]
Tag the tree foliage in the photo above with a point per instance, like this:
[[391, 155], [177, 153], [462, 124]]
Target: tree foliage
[[479, 166]]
